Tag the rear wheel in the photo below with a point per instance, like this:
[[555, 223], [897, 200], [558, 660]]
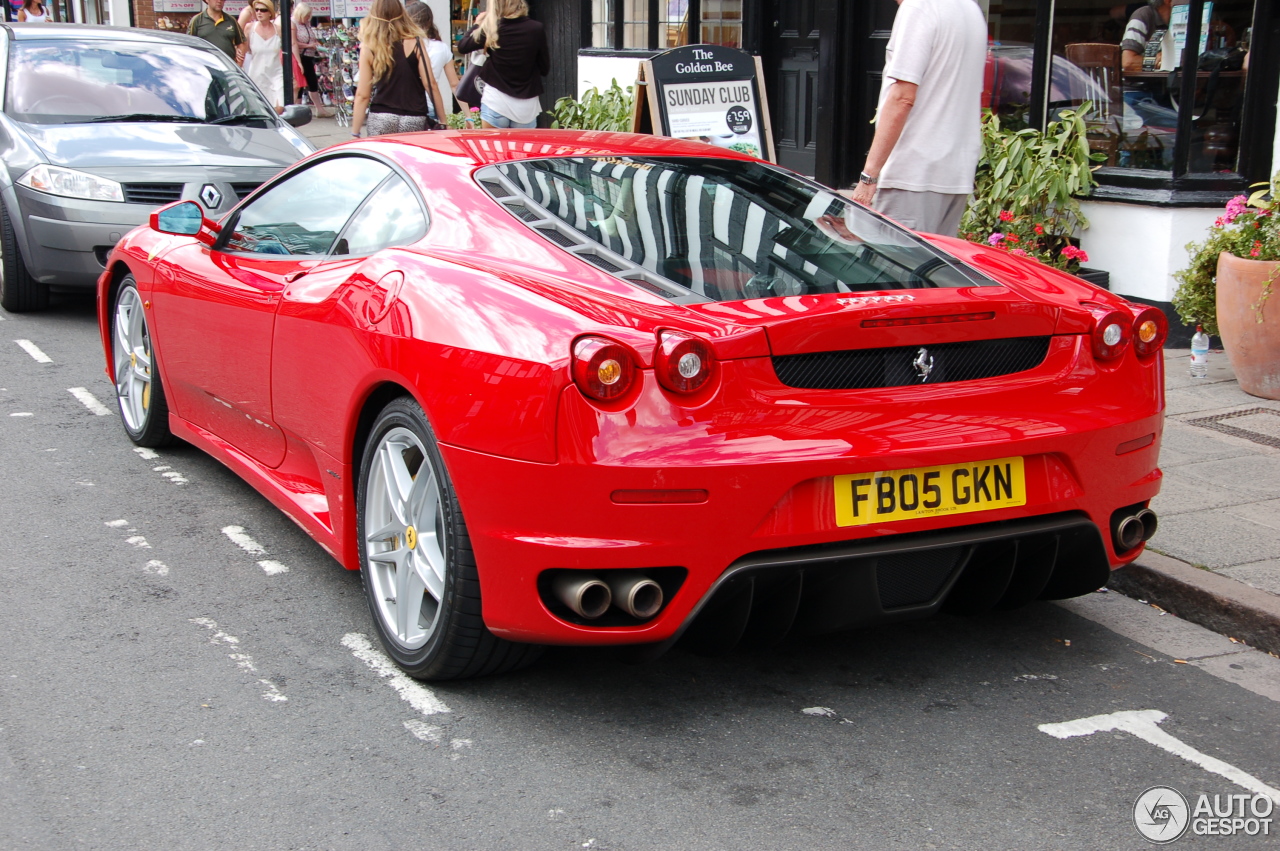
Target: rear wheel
[[416, 561], [139, 393], [19, 292]]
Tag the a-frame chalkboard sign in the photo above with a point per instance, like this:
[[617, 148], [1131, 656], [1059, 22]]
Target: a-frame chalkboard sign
[[708, 93]]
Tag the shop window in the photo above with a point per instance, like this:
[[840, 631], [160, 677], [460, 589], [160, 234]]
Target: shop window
[[663, 24], [1165, 80]]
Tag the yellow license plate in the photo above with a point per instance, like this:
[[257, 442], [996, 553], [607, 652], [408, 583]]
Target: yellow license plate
[[929, 491]]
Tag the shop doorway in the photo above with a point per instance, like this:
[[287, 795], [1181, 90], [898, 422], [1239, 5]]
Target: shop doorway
[[791, 50]]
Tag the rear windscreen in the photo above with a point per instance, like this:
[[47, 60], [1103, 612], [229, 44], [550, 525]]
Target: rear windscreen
[[722, 229]]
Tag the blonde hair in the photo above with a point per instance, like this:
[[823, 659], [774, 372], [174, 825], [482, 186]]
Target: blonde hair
[[301, 12], [271, 6], [500, 10], [385, 25]]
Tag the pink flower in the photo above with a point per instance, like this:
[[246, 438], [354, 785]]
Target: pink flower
[[1073, 253], [1257, 248], [475, 109], [1039, 229], [1019, 252], [1006, 216], [995, 238], [1235, 207]]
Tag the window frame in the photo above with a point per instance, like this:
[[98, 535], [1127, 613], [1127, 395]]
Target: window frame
[[617, 10], [1180, 187]]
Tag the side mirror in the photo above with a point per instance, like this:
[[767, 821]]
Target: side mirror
[[296, 115], [184, 218]]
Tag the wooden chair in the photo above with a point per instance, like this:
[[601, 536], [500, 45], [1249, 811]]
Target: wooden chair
[[1101, 62]]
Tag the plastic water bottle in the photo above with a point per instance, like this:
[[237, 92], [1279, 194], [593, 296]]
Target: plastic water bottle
[[1200, 354]]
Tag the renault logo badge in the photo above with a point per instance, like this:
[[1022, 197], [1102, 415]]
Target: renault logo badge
[[210, 196], [923, 364]]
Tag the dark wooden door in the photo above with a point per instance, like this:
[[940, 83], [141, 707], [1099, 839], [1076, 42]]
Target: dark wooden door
[[792, 50]]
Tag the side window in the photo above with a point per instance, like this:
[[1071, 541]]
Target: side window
[[304, 214], [391, 216]]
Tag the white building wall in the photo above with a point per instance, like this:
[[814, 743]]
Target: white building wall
[[118, 13], [601, 71], [1142, 246]]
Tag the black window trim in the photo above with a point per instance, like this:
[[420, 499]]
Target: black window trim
[[228, 223], [618, 12]]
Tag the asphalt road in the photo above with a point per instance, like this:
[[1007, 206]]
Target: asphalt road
[[163, 686]]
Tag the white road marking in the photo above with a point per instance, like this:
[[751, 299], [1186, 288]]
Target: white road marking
[[273, 568], [176, 478], [819, 711], [148, 454], [428, 733], [243, 541], [34, 350], [116, 524], [138, 541], [89, 400], [1143, 723], [159, 568], [410, 690], [23, 414], [243, 660]]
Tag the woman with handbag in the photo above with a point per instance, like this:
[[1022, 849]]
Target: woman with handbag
[[306, 49], [395, 77], [440, 54], [517, 61]]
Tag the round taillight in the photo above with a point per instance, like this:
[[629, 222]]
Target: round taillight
[[602, 369], [1111, 332], [683, 363], [1150, 330]]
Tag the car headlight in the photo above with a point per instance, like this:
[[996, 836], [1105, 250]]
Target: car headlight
[[70, 183]]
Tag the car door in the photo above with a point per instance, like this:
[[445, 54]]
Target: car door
[[219, 303], [327, 315]]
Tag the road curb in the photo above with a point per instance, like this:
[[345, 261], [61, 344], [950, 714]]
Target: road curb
[[1216, 602]]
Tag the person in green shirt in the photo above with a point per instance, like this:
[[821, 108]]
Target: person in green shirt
[[218, 29]]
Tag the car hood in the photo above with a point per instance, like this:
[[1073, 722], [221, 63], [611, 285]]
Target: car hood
[[89, 145]]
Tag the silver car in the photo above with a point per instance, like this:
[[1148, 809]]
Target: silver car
[[100, 126]]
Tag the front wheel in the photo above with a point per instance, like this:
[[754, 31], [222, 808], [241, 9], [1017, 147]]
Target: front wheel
[[139, 393], [19, 292], [418, 569]]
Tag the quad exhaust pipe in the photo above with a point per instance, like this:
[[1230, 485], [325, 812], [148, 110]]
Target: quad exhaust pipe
[[1130, 530], [588, 596]]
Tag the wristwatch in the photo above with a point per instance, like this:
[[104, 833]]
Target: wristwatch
[[868, 179]]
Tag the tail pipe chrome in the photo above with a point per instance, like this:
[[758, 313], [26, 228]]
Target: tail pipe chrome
[[1130, 530], [585, 595], [635, 594]]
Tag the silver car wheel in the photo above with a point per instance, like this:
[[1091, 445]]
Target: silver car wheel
[[405, 539], [132, 350]]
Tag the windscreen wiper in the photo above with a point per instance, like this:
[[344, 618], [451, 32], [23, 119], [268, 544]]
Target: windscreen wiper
[[243, 118], [147, 116]]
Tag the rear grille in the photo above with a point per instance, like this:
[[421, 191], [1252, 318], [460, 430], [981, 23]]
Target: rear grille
[[152, 193], [912, 579], [860, 369], [244, 190]]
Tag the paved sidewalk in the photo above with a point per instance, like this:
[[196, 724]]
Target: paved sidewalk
[[1216, 557], [323, 132]]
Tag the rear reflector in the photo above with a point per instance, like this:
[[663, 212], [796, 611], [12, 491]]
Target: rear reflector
[[1135, 444], [659, 497], [926, 320]]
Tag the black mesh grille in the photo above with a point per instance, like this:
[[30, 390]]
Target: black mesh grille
[[607, 265], [152, 193], [911, 579], [524, 212], [557, 237], [244, 190], [496, 189], [896, 367]]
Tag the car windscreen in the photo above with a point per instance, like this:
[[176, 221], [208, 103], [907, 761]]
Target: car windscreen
[[74, 82], [719, 229]]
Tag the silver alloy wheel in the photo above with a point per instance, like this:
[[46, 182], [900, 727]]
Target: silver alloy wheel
[[404, 539], [132, 349]]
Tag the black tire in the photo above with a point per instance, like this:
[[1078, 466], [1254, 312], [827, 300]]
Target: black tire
[[19, 292], [457, 645], [145, 419]]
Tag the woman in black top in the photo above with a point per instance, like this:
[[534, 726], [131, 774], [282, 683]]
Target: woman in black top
[[518, 59], [395, 75]]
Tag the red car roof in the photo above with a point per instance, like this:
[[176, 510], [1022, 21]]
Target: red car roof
[[485, 147]]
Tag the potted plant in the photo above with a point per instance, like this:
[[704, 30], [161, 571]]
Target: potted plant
[[1025, 193], [596, 110], [1227, 287]]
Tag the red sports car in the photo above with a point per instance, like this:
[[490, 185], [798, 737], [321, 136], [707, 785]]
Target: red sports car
[[589, 388]]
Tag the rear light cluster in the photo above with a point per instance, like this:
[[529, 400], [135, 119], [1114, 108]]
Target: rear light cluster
[[606, 370], [1113, 330]]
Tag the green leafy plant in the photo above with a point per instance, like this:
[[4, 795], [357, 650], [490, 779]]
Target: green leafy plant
[[596, 110], [1026, 191], [1249, 228], [464, 120]]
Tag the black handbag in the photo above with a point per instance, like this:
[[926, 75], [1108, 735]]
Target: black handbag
[[470, 88]]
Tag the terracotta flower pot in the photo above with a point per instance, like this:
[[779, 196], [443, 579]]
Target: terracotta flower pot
[[1253, 346]]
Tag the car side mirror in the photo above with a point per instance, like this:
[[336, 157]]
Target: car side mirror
[[184, 218], [296, 115]]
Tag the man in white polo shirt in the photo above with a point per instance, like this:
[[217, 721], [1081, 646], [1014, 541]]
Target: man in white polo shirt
[[928, 134]]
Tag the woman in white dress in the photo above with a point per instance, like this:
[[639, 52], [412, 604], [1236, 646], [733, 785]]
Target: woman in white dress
[[34, 12], [263, 65]]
